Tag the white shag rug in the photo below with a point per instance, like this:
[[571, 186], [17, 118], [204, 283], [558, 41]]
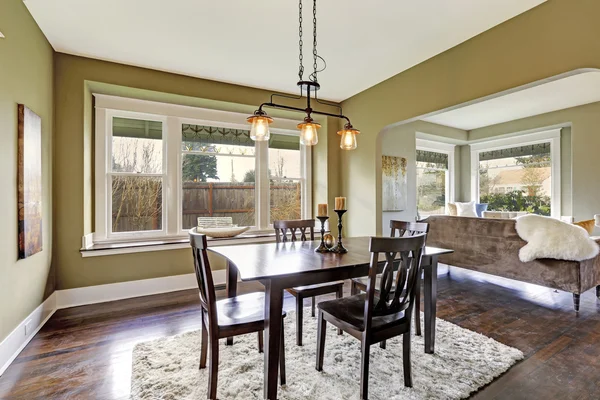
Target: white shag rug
[[463, 362]]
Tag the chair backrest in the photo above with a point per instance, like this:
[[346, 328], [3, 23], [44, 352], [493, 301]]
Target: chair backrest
[[404, 228], [304, 227], [410, 250], [204, 276]]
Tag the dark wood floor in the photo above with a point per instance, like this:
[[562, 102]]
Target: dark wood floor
[[85, 352]]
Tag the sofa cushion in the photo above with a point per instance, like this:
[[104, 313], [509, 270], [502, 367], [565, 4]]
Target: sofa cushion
[[504, 214], [587, 225], [452, 209], [466, 209], [480, 208]]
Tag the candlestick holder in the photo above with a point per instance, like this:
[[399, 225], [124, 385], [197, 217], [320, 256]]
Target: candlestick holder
[[339, 247], [322, 248]]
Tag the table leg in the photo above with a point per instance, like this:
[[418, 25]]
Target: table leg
[[273, 321], [232, 278], [430, 294]]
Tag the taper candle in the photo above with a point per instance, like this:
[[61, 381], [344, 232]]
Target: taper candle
[[340, 203], [322, 210]]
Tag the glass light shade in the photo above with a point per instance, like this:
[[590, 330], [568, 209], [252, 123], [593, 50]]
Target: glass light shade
[[348, 138], [260, 127], [308, 132]]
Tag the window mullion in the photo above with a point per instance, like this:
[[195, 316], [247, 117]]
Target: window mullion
[[101, 174], [171, 174], [306, 172], [262, 188]]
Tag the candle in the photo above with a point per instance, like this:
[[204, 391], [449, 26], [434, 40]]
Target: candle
[[322, 210], [340, 203], [597, 218]]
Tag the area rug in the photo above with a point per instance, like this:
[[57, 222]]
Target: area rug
[[463, 362]]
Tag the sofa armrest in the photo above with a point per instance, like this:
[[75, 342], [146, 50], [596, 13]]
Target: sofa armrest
[[589, 271]]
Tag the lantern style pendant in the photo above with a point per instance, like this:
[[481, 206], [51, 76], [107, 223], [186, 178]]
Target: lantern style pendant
[[348, 140], [308, 128], [308, 132], [260, 126]]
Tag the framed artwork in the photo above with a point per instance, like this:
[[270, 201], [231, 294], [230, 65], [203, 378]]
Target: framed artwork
[[29, 181], [394, 183]]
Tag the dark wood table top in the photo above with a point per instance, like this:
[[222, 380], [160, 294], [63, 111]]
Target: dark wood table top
[[268, 260]]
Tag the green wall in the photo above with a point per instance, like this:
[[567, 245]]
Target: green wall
[[76, 78], [554, 38], [400, 141], [26, 71]]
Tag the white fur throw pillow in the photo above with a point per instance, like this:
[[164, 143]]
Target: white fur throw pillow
[[466, 209], [551, 238]]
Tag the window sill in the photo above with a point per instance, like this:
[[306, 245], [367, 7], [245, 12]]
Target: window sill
[[107, 249]]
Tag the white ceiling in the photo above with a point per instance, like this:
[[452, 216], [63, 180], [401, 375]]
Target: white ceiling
[[564, 93], [254, 43]]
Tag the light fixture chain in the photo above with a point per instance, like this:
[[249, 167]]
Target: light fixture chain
[[314, 41], [300, 57]]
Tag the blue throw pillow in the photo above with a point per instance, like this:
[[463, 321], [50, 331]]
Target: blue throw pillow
[[480, 208]]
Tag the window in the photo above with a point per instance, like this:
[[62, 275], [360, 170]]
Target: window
[[136, 178], [434, 177], [519, 174], [285, 178], [160, 167], [218, 174]]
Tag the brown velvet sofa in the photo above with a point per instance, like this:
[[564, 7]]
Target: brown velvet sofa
[[492, 246]]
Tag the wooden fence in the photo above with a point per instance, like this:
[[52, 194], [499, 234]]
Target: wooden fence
[[214, 199]]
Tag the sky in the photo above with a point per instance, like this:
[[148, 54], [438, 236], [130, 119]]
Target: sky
[[130, 150]]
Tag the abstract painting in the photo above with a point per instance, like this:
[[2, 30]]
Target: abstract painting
[[394, 183], [29, 182]]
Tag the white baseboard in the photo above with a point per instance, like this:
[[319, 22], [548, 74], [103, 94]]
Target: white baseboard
[[126, 290], [16, 341]]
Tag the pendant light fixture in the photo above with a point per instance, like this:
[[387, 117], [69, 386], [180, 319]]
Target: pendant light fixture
[[260, 121]]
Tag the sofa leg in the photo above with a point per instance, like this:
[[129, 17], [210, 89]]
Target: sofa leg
[[576, 301], [598, 291]]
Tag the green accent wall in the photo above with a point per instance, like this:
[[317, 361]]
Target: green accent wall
[[26, 71], [76, 78], [553, 38], [400, 141]]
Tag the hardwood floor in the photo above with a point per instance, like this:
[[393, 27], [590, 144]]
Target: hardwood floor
[[85, 352]]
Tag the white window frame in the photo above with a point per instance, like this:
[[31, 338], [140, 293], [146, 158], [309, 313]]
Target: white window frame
[[551, 136], [103, 182], [448, 149], [173, 117]]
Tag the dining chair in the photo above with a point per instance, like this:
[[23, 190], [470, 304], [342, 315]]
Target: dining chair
[[229, 317], [398, 229], [370, 318], [287, 231]]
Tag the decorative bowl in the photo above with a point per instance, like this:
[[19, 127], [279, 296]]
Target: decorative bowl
[[222, 232]]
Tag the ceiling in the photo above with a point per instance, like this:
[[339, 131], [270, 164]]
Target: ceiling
[[563, 93], [255, 43]]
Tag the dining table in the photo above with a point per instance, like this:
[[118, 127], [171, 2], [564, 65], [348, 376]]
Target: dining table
[[279, 266]]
